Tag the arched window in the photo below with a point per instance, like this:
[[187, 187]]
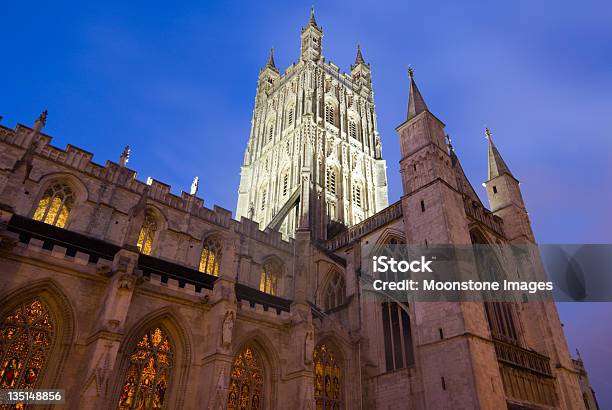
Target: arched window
[[55, 205], [148, 375], [357, 195], [290, 115], [147, 233], [270, 132], [329, 114], [264, 198], [328, 379], [331, 180], [270, 277], [335, 292], [246, 387], [26, 336], [285, 188], [210, 259], [352, 129], [397, 336]]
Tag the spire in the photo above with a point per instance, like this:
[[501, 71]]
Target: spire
[[416, 103], [270, 62], [42, 118], [125, 156], [359, 59], [312, 21], [497, 166]]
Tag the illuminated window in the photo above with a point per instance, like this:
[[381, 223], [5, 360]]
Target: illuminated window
[[353, 129], [328, 379], [331, 181], [147, 233], [246, 381], [270, 276], [329, 113], [26, 336], [397, 336], [357, 195], [210, 258], [148, 373], [335, 292], [55, 205]]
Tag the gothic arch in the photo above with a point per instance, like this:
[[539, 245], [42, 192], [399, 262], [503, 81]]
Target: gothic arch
[[258, 340], [61, 312], [272, 267], [328, 347], [172, 323], [80, 189], [335, 278], [389, 235], [79, 195]]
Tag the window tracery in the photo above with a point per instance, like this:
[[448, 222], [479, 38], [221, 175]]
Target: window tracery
[[210, 258], [335, 292], [147, 233], [26, 337], [270, 277], [246, 381], [55, 205], [328, 379], [148, 375], [329, 114]]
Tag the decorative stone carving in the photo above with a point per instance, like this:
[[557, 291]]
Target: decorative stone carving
[[308, 347], [228, 329]]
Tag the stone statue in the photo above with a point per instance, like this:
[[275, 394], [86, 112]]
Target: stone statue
[[308, 347], [228, 329], [194, 186]]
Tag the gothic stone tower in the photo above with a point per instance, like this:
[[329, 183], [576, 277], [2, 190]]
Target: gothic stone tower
[[314, 153]]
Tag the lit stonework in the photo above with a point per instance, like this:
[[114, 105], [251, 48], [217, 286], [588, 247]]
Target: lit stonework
[[313, 146], [129, 296]]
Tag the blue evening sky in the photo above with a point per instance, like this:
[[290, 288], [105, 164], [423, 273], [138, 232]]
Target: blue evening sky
[[176, 81]]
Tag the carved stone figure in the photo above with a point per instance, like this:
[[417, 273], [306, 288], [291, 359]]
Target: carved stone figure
[[228, 329]]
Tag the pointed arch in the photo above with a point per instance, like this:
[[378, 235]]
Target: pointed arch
[[174, 359], [60, 315], [262, 347], [272, 271], [153, 224], [329, 367], [333, 292], [59, 194], [212, 252]]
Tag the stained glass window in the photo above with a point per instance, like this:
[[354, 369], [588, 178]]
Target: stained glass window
[[335, 292], [270, 276], [210, 258], [328, 379], [147, 233], [55, 205], [246, 381], [26, 336], [148, 374]]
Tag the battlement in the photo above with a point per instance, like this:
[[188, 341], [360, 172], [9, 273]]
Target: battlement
[[81, 160]]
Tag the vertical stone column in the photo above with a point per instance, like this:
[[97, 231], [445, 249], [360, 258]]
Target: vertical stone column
[[220, 323], [104, 343]]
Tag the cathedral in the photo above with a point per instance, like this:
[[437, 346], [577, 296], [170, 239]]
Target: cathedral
[[128, 296]]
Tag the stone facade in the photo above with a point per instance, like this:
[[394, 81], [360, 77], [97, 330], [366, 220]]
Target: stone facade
[[285, 312], [313, 146]]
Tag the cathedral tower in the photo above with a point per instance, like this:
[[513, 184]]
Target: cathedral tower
[[314, 154]]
